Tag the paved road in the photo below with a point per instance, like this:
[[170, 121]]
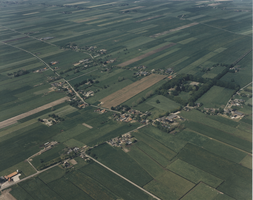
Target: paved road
[[155, 197]]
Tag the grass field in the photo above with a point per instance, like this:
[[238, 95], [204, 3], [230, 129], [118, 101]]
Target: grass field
[[122, 189], [124, 165], [169, 186], [193, 174], [167, 140], [216, 97], [237, 178], [203, 191]]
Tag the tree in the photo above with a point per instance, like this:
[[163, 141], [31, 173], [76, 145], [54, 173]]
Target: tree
[[157, 101]]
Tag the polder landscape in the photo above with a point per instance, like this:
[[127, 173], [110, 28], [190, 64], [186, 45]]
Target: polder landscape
[[127, 99]]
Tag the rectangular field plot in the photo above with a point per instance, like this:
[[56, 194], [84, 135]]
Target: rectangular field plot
[[39, 190], [169, 186], [159, 158], [216, 97], [122, 163], [112, 182], [167, 140], [130, 91], [159, 147], [214, 146], [193, 174], [90, 186], [237, 179], [203, 191], [67, 190], [147, 163]]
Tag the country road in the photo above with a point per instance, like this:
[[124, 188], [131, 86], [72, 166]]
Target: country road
[[155, 197]]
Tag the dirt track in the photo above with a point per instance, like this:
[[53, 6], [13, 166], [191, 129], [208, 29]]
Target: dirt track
[[145, 55], [131, 90], [14, 120]]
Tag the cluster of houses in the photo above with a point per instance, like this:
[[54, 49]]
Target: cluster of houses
[[123, 117], [166, 120], [82, 61], [86, 94], [125, 139], [236, 102], [40, 70], [141, 73], [100, 111], [233, 113]]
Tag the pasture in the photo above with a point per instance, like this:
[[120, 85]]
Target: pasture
[[216, 97], [169, 186]]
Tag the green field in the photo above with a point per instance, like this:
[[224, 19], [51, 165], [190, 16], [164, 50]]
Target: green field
[[169, 186], [193, 174], [203, 191], [125, 165], [216, 97]]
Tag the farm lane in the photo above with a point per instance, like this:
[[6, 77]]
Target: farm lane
[[155, 197], [14, 120]]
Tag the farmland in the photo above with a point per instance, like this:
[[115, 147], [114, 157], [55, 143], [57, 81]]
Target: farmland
[[130, 91], [159, 92]]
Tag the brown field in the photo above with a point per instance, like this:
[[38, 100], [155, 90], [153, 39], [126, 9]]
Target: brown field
[[145, 55], [14, 120], [175, 29], [131, 90]]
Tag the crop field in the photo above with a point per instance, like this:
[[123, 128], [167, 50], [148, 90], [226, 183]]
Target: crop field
[[215, 146], [203, 191], [169, 186], [216, 97], [167, 140], [130, 91], [193, 174], [200, 118], [106, 178], [125, 165], [234, 185], [115, 43]]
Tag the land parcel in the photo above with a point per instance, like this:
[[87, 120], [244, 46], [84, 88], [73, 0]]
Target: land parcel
[[131, 90]]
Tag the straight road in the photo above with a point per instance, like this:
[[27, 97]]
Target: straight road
[[155, 197]]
